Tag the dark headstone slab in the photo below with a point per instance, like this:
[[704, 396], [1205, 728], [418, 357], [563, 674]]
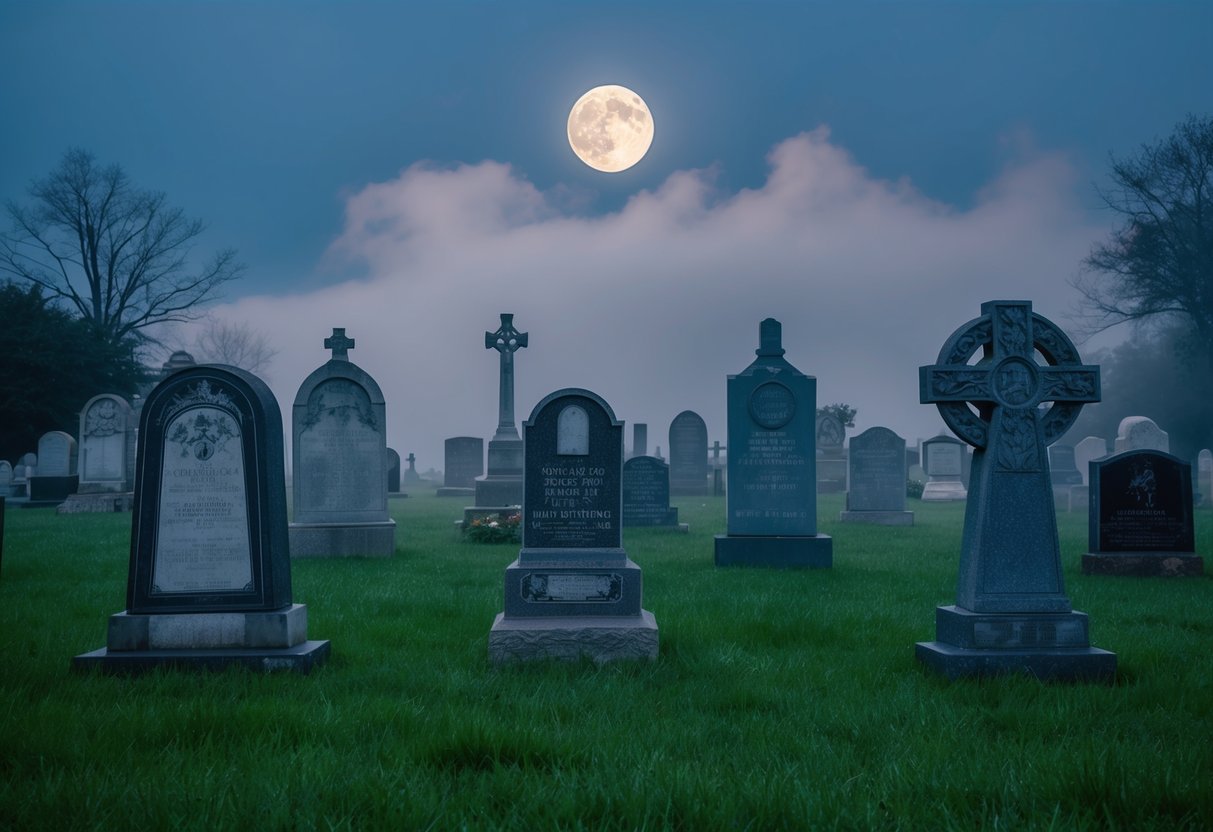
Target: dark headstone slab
[[1141, 516], [572, 569], [772, 493], [1011, 614], [463, 462], [1062, 469], [646, 493], [877, 480], [393, 471], [640, 439], [688, 455], [209, 566]]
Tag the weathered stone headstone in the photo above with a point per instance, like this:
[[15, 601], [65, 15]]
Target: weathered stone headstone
[[1012, 613], [463, 462], [877, 480], [6, 478], [25, 468], [410, 475], [1062, 466], [944, 461], [1092, 447], [106, 455], [1204, 476], [640, 439], [502, 484], [56, 476], [772, 498], [209, 583], [573, 591], [393, 471], [339, 462], [646, 494], [688, 455], [1141, 520], [831, 456], [1140, 433]]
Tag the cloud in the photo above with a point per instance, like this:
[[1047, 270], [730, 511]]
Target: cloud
[[653, 305]]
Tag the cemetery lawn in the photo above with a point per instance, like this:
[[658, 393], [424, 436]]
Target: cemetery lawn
[[780, 699]]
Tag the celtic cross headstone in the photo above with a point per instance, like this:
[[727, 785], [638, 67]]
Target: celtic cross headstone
[[1011, 612], [502, 483]]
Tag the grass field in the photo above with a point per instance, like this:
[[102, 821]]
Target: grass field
[[780, 699]]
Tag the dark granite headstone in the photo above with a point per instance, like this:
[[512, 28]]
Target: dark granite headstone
[[463, 462], [55, 478], [877, 480], [573, 591], [1141, 520], [209, 583], [393, 471], [772, 493], [646, 493], [1012, 613], [688, 455]]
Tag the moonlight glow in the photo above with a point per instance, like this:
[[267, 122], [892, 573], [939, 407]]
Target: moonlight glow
[[610, 128]]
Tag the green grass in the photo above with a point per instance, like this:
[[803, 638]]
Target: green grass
[[780, 699]]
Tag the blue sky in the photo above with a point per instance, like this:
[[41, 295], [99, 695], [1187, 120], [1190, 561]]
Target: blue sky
[[867, 172]]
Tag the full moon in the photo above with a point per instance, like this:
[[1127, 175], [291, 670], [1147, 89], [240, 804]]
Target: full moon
[[610, 128]]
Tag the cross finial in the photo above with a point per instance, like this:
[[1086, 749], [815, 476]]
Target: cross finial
[[339, 344], [506, 339], [411, 458]]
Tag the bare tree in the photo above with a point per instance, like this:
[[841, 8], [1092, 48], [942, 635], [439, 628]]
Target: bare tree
[[1158, 266], [222, 342], [117, 254]]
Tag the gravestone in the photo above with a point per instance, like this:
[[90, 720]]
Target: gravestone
[[1141, 520], [1012, 613], [831, 457], [25, 468], [573, 592], [1204, 476], [340, 462], [1140, 433], [6, 478], [944, 464], [209, 583], [411, 477], [718, 471], [640, 439], [501, 486], [1092, 447], [1062, 468], [56, 476], [772, 496], [393, 471], [877, 480], [688, 455], [463, 463], [646, 494], [107, 457]]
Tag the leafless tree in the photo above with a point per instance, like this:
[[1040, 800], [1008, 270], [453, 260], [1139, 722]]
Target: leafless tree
[[117, 254], [223, 342], [1158, 266]]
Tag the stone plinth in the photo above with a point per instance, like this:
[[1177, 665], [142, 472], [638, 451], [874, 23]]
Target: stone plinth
[[97, 503], [601, 640], [342, 540], [878, 518], [814, 552]]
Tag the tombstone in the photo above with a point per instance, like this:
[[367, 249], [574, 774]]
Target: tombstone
[[463, 462], [1204, 476], [209, 583], [1092, 447], [106, 456], [502, 484], [573, 592], [340, 462], [718, 478], [25, 468], [411, 477], [1141, 521], [1063, 474], [1012, 614], [876, 479], [640, 439], [1140, 433], [944, 463], [831, 457], [6, 478], [393, 471], [646, 494], [56, 476], [688, 455], [772, 498]]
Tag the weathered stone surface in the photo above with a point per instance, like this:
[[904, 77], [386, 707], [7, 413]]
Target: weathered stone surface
[[646, 493], [876, 492], [688, 454], [277, 628], [601, 640], [1140, 433], [945, 461]]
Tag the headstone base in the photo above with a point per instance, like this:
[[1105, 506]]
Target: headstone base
[[878, 518], [942, 491], [1144, 565], [1045, 645], [815, 552], [600, 639], [342, 540], [100, 503], [273, 640], [447, 491]]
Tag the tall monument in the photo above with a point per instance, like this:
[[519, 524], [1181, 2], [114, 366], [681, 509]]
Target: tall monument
[[502, 484]]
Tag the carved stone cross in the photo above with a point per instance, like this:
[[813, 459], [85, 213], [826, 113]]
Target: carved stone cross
[[506, 340], [1010, 559], [339, 344]]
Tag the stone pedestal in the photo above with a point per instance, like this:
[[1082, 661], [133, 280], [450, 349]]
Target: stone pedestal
[[940, 491], [878, 518], [1144, 564], [601, 640], [1052, 646], [265, 641], [814, 552], [342, 540]]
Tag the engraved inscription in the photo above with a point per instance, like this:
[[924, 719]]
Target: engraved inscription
[[341, 451], [772, 405], [571, 588]]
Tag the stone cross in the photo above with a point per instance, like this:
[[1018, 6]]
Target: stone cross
[[339, 344], [506, 340], [1010, 559], [716, 449], [411, 460]]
